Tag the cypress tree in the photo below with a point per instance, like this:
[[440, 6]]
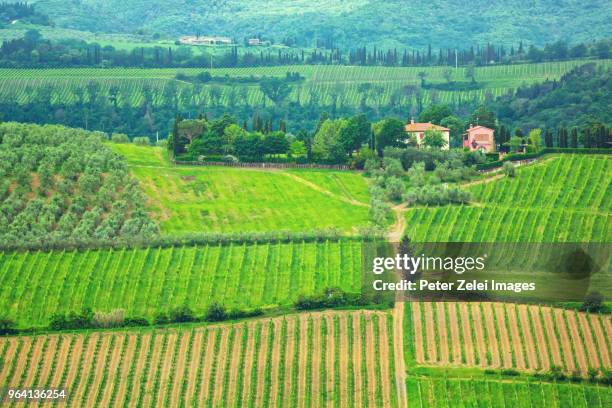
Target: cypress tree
[[574, 137], [587, 137]]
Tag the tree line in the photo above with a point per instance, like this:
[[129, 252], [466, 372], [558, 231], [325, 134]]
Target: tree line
[[32, 50]]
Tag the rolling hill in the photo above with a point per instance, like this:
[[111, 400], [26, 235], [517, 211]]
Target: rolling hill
[[349, 23]]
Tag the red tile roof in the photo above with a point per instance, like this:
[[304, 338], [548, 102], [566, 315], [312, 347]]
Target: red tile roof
[[422, 127]]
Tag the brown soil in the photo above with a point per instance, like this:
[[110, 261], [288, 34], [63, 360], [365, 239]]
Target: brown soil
[[579, 351], [315, 393], [152, 373], [113, 367], [344, 359], [47, 361], [234, 366], [600, 336], [517, 339], [330, 357], [565, 340], [357, 362], [553, 344], [418, 330], [139, 376], [527, 337], [398, 354], [35, 362], [468, 345], [8, 356], [385, 356], [370, 361], [248, 363], [209, 357], [504, 336], [455, 329], [128, 360], [492, 344], [289, 367], [443, 358], [262, 357], [542, 347], [75, 356], [221, 358], [166, 369], [302, 360], [589, 342], [62, 362], [432, 352], [194, 365], [181, 366], [275, 363]]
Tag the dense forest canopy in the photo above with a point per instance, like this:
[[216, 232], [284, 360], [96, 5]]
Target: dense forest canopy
[[349, 23]]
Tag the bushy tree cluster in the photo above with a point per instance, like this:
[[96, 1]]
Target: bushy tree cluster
[[60, 184], [427, 189]]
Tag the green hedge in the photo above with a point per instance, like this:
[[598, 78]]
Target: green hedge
[[548, 150]]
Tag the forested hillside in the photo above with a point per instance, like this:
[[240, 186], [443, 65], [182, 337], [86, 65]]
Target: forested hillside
[[348, 23]]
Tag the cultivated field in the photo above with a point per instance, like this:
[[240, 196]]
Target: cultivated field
[[507, 335], [564, 198], [308, 360], [145, 282], [469, 392], [218, 199], [322, 82]]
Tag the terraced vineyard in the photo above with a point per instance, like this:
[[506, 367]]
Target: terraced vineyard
[[317, 359], [506, 335], [145, 282], [564, 198], [469, 392], [218, 199], [322, 82]]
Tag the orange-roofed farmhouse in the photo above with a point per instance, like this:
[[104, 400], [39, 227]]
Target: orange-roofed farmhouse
[[419, 129], [479, 138]]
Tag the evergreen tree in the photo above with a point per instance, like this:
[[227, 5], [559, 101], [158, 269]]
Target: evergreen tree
[[574, 138]]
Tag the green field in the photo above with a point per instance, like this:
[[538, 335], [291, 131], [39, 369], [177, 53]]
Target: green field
[[218, 199], [322, 82], [145, 282], [565, 198], [467, 392]]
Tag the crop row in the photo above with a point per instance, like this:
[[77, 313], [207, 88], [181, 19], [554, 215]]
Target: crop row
[[469, 392], [507, 335], [267, 362], [147, 281]]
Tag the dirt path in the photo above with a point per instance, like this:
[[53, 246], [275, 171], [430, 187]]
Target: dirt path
[[525, 331], [601, 340], [113, 366], [418, 332], [262, 355], [194, 365], [455, 329], [344, 360], [496, 177], [275, 362], [302, 360], [504, 336], [235, 366], [396, 231], [542, 347], [553, 344], [385, 357], [315, 393], [468, 344], [320, 189], [579, 350], [491, 337], [516, 338], [565, 340], [128, 360], [181, 366], [357, 362], [330, 359], [432, 341], [444, 357], [289, 366], [589, 342], [370, 353]]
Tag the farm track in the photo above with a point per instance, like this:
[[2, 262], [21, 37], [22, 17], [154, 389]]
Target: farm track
[[174, 367], [531, 338]]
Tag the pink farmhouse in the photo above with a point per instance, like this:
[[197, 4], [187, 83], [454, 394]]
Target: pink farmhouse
[[479, 138]]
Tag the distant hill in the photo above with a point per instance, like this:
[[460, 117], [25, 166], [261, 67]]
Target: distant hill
[[349, 23]]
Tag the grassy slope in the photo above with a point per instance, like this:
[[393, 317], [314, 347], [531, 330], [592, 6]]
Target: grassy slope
[[563, 199], [145, 282], [217, 199], [322, 80]]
